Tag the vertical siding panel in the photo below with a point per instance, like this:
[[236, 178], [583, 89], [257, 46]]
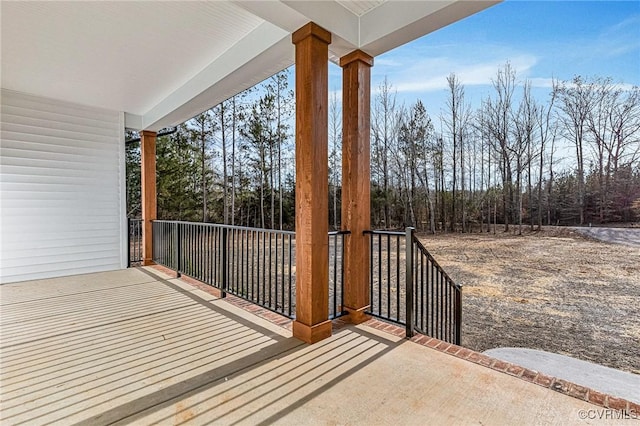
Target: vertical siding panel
[[62, 178]]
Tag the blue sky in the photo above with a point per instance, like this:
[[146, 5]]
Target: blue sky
[[541, 39]]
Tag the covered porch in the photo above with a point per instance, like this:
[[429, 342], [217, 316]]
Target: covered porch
[[86, 341], [72, 84], [138, 346]]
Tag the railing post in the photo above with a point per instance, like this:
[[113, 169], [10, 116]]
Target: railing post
[[225, 263], [128, 243], [458, 315], [178, 250], [154, 253], [409, 282]]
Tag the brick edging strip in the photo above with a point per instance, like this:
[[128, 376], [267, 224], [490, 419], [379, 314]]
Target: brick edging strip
[[559, 385], [250, 307]]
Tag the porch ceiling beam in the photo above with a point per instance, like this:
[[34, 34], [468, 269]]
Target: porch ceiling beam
[[164, 74], [132, 121], [395, 23], [377, 31], [291, 15], [268, 47], [276, 12], [343, 25]]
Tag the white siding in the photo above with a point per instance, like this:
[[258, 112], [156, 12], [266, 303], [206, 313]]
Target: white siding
[[61, 189]]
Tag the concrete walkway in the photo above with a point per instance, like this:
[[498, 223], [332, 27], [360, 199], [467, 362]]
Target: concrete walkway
[[604, 379], [625, 236], [134, 347]]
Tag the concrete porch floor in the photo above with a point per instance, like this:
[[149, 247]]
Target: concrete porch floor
[[136, 347]]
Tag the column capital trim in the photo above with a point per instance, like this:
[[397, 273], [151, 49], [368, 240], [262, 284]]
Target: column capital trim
[[356, 55], [311, 30], [148, 133]]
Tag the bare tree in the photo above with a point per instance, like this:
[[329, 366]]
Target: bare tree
[[415, 147], [335, 157], [221, 112], [575, 102], [613, 124], [202, 128], [524, 122], [498, 116], [384, 128], [277, 88], [456, 119], [547, 133]]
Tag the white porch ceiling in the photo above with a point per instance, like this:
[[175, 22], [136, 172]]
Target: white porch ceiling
[[164, 62]]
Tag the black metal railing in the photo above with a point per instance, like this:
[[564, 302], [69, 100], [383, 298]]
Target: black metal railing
[[134, 244], [437, 299], [407, 286], [165, 244], [387, 275], [260, 266], [255, 264], [336, 273]]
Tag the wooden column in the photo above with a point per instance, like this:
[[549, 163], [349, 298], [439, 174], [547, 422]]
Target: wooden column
[[312, 191], [356, 214], [149, 198]]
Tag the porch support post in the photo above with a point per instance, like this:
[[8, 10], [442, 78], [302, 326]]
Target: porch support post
[[149, 201], [356, 188], [312, 190]]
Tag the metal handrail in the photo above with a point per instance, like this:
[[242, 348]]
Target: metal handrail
[[422, 248], [384, 232], [252, 263], [219, 225], [432, 302]]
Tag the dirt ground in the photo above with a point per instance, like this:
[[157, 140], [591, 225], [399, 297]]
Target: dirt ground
[[553, 290]]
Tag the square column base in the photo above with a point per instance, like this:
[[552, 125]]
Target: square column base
[[356, 316], [312, 333], [148, 262]]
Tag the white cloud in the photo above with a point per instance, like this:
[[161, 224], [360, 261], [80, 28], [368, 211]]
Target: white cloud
[[386, 62], [431, 74], [547, 83], [630, 23], [542, 82]]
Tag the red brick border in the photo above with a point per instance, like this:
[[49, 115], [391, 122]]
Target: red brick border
[[250, 307], [559, 385]]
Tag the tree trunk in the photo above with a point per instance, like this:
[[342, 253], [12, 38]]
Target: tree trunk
[[233, 160], [203, 140], [225, 176]]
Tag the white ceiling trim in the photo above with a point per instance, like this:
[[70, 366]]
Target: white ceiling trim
[[381, 28], [360, 7], [264, 38], [55, 51], [332, 17], [395, 23]]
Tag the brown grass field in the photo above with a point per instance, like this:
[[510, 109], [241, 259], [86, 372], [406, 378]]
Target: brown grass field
[[552, 290]]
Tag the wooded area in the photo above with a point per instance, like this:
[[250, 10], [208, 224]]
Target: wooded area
[[457, 169]]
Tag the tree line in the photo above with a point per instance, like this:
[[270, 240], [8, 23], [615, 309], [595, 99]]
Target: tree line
[[500, 165]]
